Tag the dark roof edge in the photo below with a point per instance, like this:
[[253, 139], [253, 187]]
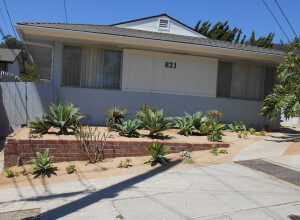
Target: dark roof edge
[[155, 16]]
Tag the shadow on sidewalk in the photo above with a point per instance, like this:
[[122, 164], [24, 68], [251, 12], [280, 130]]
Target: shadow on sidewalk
[[108, 192]]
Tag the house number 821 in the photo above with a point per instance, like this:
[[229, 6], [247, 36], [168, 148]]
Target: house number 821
[[171, 65]]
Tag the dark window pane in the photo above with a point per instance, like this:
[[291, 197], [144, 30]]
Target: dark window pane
[[112, 66], [270, 81], [3, 66], [71, 65], [224, 79]]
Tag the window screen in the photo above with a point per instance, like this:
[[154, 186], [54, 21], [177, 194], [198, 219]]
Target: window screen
[[72, 66], [112, 65], [224, 79]]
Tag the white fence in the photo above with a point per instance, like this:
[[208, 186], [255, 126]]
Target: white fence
[[8, 77], [20, 102]]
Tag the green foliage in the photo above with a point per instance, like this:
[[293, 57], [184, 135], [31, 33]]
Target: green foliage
[[252, 130], [24, 172], [195, 119], [216, 152], [64, 117], [129, 128], [222, 31], [243, 134], [8, 172], [186, 127], [261, 133], [115, 116], [125, 164], [187, 161], [40, 126], [213, 115], [30, 74], [71, 169], [236, 127], [154, 121], [216, 131], [145, 108], [286, 94], [223, 151], [158, 152], [205, 128], [42, 164]]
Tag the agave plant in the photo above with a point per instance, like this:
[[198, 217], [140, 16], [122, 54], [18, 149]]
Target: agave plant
[[216, 131], [40, 126], [158, 152], [64, 117], [129, 128], [154, 121], [205, 126], [186, 126], [115, 116], [42, 164], [195, 119], [236, 127]]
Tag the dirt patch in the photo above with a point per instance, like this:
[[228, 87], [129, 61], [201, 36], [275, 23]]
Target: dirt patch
[[108, 168], [293, 149]]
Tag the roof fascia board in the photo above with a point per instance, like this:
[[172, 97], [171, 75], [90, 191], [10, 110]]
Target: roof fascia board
[[132, 40]]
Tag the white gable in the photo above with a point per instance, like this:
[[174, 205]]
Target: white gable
[[163, 24]]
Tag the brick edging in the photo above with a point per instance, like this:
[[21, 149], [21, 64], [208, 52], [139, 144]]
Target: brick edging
[[70, 150]]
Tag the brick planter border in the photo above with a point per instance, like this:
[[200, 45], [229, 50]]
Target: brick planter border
[[70, 150]]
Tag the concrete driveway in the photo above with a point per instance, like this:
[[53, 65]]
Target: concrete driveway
[[228, 191]]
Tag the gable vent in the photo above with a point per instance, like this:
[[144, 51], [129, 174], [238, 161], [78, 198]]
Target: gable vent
[[164, 23]]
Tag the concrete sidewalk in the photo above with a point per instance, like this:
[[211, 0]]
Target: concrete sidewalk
[[227, 191]]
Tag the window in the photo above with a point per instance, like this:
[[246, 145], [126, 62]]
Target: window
[[163, 23], [244, 81], [3, 66], [91, 67]]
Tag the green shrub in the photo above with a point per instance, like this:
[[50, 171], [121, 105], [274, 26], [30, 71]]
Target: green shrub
[[187, 161], [40, 126], [252, 130], [223, 151], [8, 172], [216, 131], [236, 127], [42, 165], [194, 119], [129, 128], [261, 133], [145, 108], [64, 117], [71, 169], [125, 164], [24, 172], [115, 116], [186, 127], [205, 128], [154, 121], [213, 115], [158, 152]]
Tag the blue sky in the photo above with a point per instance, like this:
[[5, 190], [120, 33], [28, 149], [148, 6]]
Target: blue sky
[[245, 14]]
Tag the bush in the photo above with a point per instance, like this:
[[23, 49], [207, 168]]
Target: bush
[[129, 128], [154, 121], [195, 119], [8, 172], [30, 74], [186, 127], [216, 131], [115, 116], [42, 165], [71, 169], [64, 117], [158, 152], [213, 115], [252, 130], [40, 126], [92, 142]]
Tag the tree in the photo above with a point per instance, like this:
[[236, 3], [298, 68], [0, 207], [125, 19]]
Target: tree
[[222, 31], [30, 74], [286, 94]]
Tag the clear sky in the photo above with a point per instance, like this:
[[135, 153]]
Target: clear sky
[[245, 14]]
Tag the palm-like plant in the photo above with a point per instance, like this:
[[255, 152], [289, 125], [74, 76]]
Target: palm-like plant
[[42, 165], [40, 125], [154, 121], [64, 117], [115, 116], [158, 152], [129, 128], [186, 126]]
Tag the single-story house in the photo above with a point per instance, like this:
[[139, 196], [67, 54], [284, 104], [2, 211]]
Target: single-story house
[[11, 61], [157, 61]]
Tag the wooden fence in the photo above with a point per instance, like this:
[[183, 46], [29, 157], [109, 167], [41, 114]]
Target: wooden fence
[[20, 102]]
